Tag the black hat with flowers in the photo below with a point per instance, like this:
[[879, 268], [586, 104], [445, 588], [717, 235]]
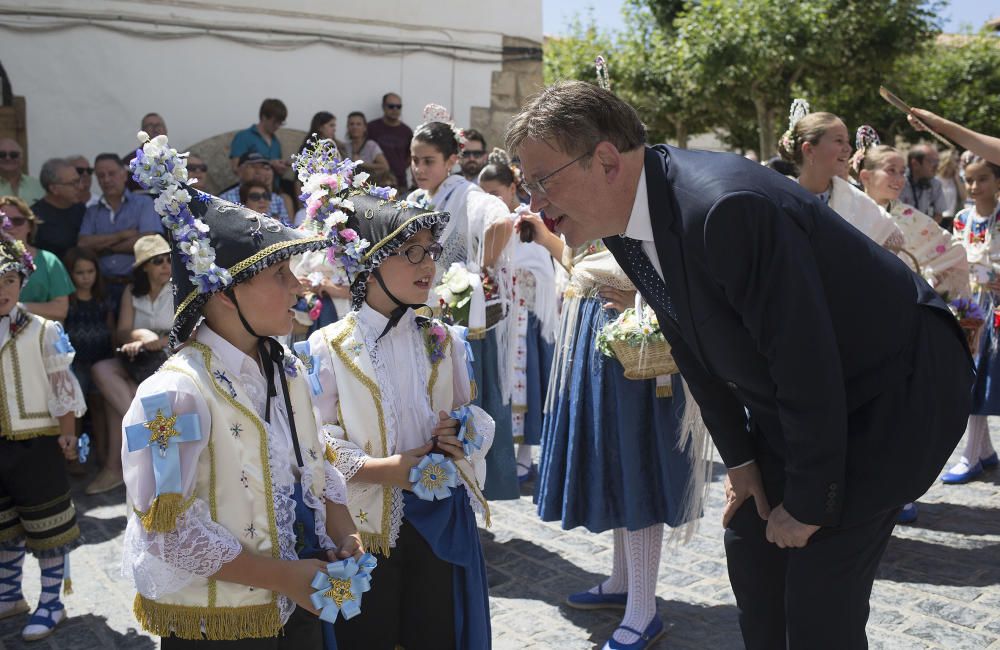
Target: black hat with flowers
[[14, 255]]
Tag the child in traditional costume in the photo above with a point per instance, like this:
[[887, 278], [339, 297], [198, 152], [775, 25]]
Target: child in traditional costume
[[41, 401], [391, 387], [616, 453], [536, 313], [478, 238], [222, 459], [978, 230]]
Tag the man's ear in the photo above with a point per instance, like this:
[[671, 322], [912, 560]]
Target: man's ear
[[609, 158]]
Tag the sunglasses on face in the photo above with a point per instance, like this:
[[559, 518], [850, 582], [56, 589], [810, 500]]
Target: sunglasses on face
[[159, 259], [394, 107], [259, 196], [197, 168], [415, 254], [473, 154], [17, 222], [85, 170], [13, 155]]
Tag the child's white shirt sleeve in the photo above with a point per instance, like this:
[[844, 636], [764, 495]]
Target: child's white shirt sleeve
[[163, 563], [65, 394]]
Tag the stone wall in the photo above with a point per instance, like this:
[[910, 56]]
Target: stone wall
[[517, 79]]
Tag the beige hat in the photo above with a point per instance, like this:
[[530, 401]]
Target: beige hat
[[148, 247]]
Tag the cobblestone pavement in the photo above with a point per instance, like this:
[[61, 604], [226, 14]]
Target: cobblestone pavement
[[938, 586]]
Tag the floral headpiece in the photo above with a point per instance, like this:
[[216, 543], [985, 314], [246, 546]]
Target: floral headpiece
[[159, 168], [799, 109], [864, 139], [601, 66], [14, 255], [327, 182], [438, 113]]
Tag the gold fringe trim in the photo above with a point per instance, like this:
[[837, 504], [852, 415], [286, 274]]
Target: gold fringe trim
[[473, 390], [519, 408], [518, 440], [221, 623], [477, 334], [666, 390], [163, 512], [68, 587], [330, 454], [376, 543], [31, 433]]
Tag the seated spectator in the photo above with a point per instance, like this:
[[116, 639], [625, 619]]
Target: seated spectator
[[359, 147], [46, 292], [198, 170], [113, 226], [153, 124], [393, 136], [254, 167], [59, 212], [473, 155], [86, 172], [262, 137], [13, 180], [256, 196], [144, 319], [923, 189], [324, 125], [89, 325]]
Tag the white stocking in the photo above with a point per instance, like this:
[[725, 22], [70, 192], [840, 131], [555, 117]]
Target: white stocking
[[643, 558], [618, 582], [977, 440]]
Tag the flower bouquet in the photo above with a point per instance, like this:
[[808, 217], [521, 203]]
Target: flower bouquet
[[455, 293], [971, 318], [635, 339]]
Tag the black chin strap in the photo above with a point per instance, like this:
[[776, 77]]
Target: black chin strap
[[396, 314], [272, 359]]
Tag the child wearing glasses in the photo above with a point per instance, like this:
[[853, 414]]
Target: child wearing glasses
[[145, 316], [388, 384], [479, 237]]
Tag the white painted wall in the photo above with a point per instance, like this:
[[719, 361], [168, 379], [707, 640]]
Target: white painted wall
[[90, 69]]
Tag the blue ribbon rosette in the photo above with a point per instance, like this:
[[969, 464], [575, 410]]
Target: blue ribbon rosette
[[339, 588], [470, 438], [434, 477]]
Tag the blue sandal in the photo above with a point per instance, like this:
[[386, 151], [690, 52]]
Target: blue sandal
[[51, 612], [13, 583]]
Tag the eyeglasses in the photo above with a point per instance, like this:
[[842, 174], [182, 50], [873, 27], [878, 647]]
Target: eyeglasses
[[197, 168], [85, 170], [159, 259], [473, 154], [16, 222], [13, 155], [537, 188], [259, 196], [415, 254], [395, 107]]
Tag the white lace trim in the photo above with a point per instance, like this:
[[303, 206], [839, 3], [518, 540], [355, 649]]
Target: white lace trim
[[317, 502], [160, 564], [65, 395], [335, 485], [350, 458], [389, 397], [282, 487]]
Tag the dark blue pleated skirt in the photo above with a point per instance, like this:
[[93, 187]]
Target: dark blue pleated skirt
[[538, 364], [986, 394], [610, 456], [501, 467]]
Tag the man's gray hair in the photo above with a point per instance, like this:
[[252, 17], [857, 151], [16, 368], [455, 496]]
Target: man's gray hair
[[574, 117], [50, 171]]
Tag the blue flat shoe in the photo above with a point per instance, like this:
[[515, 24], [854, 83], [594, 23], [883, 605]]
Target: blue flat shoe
[[647, 638], [908, 514], [990, 461], [600, 600], [953, 477]]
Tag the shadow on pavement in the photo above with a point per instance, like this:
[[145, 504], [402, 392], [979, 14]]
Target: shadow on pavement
[[918, 561], [962, 519], [87, 631]]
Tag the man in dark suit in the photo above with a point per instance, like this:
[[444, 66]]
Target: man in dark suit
[[834, 382]]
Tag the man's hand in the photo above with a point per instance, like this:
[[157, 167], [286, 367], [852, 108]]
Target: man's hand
[[786, 531], [742, 483]]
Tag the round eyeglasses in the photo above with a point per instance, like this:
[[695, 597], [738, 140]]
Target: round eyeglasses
[[416, 253]]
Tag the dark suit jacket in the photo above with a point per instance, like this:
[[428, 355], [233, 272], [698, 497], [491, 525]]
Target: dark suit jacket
[[787, 312]]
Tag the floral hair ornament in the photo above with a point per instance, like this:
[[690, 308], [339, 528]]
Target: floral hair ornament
[[340, 586], [14, 255], [799, 109], [864, 139], [438, 113], [601, 67]]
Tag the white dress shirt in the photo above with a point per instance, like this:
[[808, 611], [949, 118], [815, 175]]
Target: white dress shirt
[[640, 224]]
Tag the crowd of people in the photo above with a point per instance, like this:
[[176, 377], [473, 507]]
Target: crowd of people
[[455, 330]]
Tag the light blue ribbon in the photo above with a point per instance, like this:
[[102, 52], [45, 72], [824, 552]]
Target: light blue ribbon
[[471, 439], [434, 477], [63, 345], [463, 332], [166, 455], [83, 448], [311, 361], [352, 577]]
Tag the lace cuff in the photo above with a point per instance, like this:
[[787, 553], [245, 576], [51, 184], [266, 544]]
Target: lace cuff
[[344, 456], [335, 488], [163, 563], [65, 394]]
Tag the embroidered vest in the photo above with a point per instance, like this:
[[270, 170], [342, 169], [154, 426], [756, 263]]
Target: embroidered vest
[[24, 384], [234, 479], [363, 423]]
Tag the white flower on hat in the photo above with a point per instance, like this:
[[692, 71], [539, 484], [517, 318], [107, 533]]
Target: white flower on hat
[[360, 178]]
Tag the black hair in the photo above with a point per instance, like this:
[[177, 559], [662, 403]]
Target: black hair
[[439, 135], [318, 120], [472, 134], [140, 281], [77, 254], [386, 97], [109, 156], [357, 114], [499, 169]]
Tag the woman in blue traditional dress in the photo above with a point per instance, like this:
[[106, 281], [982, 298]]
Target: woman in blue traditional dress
[[536, 313], [616, 453], [477, 236]]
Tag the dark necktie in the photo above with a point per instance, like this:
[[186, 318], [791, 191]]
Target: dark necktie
[[647, 280]]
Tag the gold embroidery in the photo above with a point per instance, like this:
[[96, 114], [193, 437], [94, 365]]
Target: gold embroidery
[[216, 623]]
